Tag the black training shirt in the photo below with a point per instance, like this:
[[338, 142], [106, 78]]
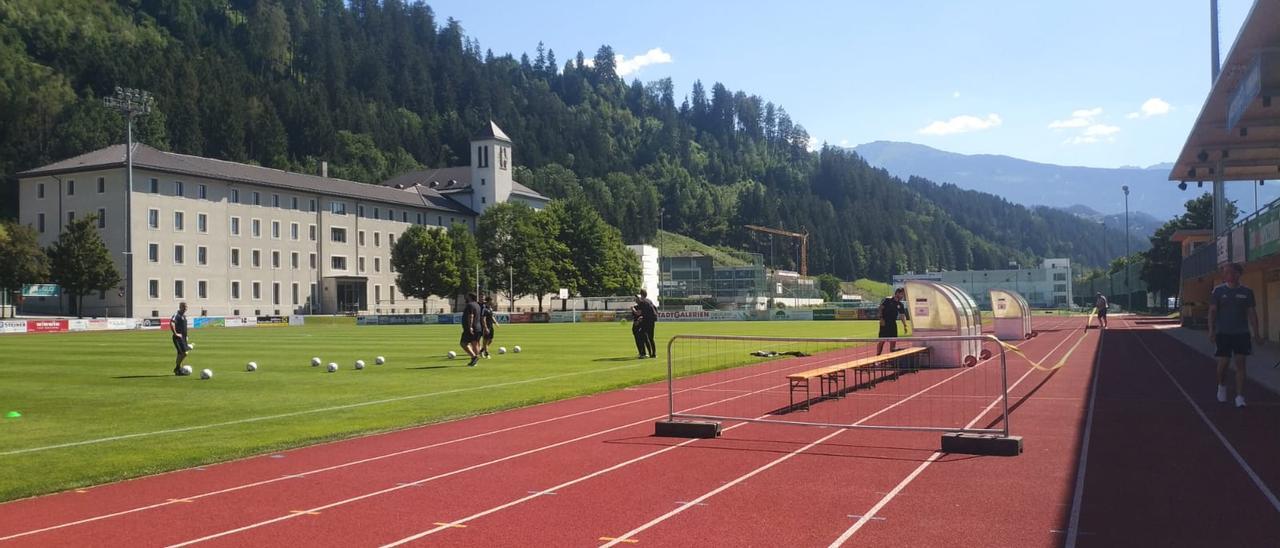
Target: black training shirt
[[179, 322], [648, 312], [890, 308]]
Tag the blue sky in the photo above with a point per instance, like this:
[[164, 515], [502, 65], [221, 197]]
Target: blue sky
[[1057, 82]]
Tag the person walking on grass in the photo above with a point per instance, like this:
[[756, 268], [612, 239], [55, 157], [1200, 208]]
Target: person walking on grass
[[892, 311], [472, 329], [637, 329], [648, 322], [1100, 305], [489, 323], [1233, 316], [178, 326]]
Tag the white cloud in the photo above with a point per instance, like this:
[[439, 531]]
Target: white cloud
[[1080, 140], [1100, 130], [1154, 106], [1092, 130], [1079, 118], [844, 142], [955, 95], [626, 67], [961, 124]]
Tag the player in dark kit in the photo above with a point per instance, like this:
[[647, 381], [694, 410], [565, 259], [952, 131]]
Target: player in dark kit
[[472, 329], [648, 321], [178, 326], [892, 311], [637, 330], [489, 323]]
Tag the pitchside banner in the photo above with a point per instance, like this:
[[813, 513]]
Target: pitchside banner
[[13, 326], [1263, 235], [46, 326], [205, 321]]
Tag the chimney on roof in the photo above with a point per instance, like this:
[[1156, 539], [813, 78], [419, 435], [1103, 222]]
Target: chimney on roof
[[324, 169]]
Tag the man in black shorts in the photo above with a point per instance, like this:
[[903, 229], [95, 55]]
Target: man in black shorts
[[892, 311], [1232, 317], [489, 323], [178, 326], [1100, 305], [472, 329]]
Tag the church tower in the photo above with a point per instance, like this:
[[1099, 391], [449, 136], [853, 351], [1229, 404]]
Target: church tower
[[490, 168]]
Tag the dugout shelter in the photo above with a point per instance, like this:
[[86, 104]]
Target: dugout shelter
[[1010, 315], [939, 309]]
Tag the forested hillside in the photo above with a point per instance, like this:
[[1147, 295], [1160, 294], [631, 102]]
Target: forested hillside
[[377, 87]]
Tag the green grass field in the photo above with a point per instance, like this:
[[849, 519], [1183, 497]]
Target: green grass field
[[78, 387]]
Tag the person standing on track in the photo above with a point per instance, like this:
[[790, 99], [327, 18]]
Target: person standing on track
[[489, 323], [472, 329], [1100, 305], [648, 321], [892, 311], [1233, 316], [178, 326]]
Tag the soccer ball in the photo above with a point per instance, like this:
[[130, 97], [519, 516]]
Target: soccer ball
[[186, 370], [315, 362], [333, 367], [206, 374], [251, 367], [502, 350], [516, 349], [359, 364], [379, 360], [452, 354], [191, 346]]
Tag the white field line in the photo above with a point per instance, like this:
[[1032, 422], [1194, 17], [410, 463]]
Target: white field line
[[175, 500], [870, 514], [450, 473]]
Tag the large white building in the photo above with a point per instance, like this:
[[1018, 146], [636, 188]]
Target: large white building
[[1046, 286], [237, 239]]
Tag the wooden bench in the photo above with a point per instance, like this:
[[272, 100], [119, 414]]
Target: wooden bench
[[833, 379]]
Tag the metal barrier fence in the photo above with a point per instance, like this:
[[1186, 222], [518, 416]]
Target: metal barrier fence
[[837, 383]]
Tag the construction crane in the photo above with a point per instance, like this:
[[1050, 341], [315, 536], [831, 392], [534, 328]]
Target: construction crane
[[802, 236]]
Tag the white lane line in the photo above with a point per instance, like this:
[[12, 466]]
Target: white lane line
[[844, 537], [450, 473], [398, 453], [1262, 486], [1073, 525]]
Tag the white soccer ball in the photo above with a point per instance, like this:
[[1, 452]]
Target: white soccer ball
[[359, 364], [315, 362], [186, 370], [516, 349], [379, 360], [502, 350], [452, 354], [333, 367], [206, 374], [191, 346], [251, 366]]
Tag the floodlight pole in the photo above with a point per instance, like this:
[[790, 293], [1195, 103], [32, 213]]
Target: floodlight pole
[[1128, 291], [131, 103]]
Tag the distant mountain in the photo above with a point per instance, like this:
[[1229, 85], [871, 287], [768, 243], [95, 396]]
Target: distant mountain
[[1141, 224], [1033, 183]]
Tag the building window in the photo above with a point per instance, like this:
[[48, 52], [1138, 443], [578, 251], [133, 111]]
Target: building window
[[235, 226], [377, 239], [295, 294], [102, 217], [482, 199], [202, 289], [377, 294], [275, 229], [312, 206], [480, 159], [153, 185], [275, 200], [179, 254], [360, 238], [421, 218], [338, 208], [202, 256], [311, 232], [153, 252], [235, 257], [102, 185], [1060, 288], [153, 289], [377, 264], [40, 191], [1059, 276], [257, 291], [440, 220], [71, 216], [275, 259], [235, 290], [71, 188], [391, 214], [404, 216], [293, 203], [257, 198], [153, 218], [178, 189], [293, 231], [179, 289], [338, 234], [275, 293], [360, 264], [235, 196], [313, 261], [376, 212], [179, 220], [202, 223], [202, 191], [338, 262], [360, 210], [391, 240], [255, 258], [293, 260], [40, 222], [255, 229]]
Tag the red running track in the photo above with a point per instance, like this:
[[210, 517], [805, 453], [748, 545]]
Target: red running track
[[578, 471]]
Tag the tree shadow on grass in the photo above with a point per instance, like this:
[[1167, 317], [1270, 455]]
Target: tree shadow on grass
[[437, 366], [143, 376], [621, 359]]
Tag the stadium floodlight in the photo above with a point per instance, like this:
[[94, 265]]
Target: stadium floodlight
[[1182, 185], [131, 103]]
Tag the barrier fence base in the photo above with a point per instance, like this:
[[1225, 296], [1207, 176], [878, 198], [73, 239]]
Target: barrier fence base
[[981, 444], [686, 429]]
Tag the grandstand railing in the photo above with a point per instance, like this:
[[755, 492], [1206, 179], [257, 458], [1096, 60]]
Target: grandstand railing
[[1201, 262]]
